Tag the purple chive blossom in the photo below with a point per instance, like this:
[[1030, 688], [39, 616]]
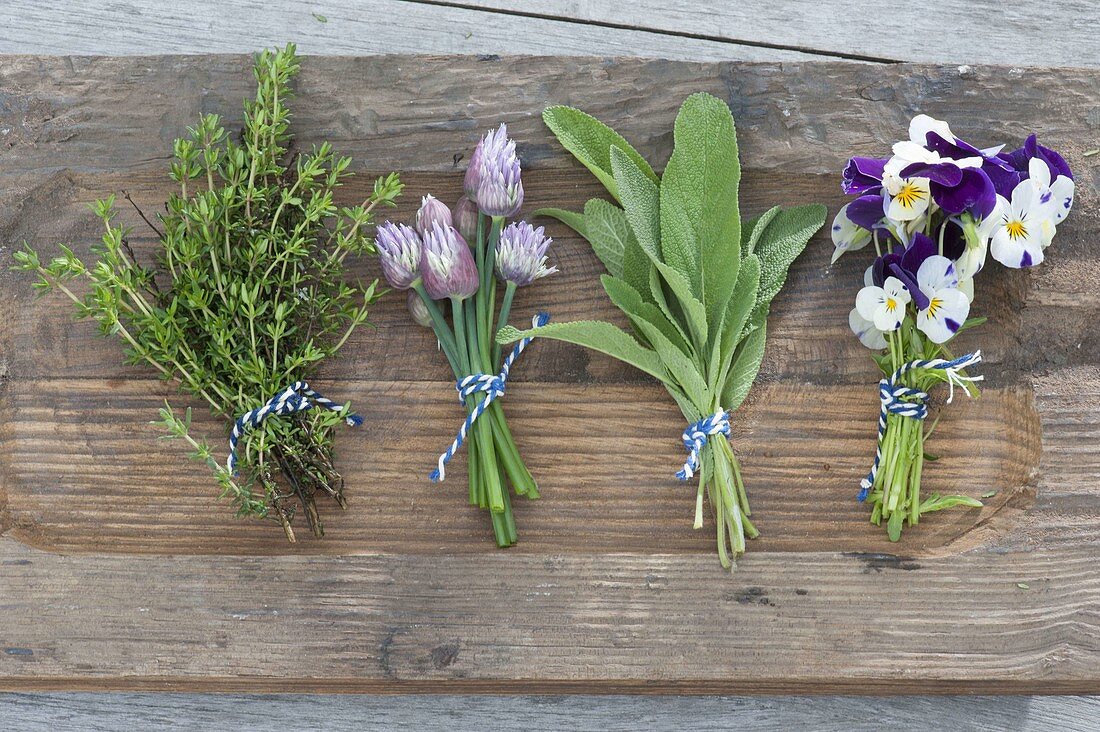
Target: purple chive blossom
[[432, 210], [473, 170], [447, 266], [521, 254], [465, 218], [499, 187], [399, 251], [419, 310]]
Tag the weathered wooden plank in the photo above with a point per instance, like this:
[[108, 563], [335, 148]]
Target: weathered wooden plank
[[985, 31], [584, 612], [350, 28], [153, 712], [517, 622], [85, 473]]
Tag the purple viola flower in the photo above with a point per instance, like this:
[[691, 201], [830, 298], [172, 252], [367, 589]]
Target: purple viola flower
[[399, 251], [521, 254], [862, 175], [447, 266], [1019, 159], [868, 211], [956, 189], [431, 211], [465, 218], [904, 263], [997, 169]]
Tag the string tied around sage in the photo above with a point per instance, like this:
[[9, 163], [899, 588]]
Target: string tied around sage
[[298, 397], [492, 385], [697, 435], [907, 401]]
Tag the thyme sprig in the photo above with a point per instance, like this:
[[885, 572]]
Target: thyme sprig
[[249, 293]]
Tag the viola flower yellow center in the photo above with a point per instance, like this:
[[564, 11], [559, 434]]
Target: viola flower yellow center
[[909, 195], [1016, 229], [934, 306]]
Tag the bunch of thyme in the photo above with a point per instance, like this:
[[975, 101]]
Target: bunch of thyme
[[249, 294]]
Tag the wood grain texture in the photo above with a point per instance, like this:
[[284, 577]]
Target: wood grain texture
[[350, 27], [151, 712], [613, 592], [989, 31]]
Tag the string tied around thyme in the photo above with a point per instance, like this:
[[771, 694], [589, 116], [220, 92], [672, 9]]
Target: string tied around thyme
[[492, 385], [298, 397], [695, 438], [907, 401]]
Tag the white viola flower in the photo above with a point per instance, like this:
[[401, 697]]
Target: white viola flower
[[1023, 229], [909, 198], [883, 306], [1057, 197], [866, 331], [847, 235], [944, 308], [922, 124]]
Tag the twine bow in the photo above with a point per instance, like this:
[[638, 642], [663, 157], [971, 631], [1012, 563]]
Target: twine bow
[[696, 436], [298, 397], [907, 401], [492, 385]]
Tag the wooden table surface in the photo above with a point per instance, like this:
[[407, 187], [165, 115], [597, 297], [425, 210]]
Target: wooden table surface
[[143, 28]]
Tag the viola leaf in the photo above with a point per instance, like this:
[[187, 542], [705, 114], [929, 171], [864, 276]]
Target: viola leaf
[[597, 335], [591, 142], [936, 502], [700, 222]]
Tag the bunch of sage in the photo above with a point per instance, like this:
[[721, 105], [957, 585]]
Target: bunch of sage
[[248, 297], [694, 280]]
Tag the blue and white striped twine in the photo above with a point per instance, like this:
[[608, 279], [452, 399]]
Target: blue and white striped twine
[[893, 396], [298, 397], [493, 386], [696, 436]]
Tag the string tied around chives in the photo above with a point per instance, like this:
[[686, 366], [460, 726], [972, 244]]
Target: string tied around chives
[[907, 401], [492, 385], [298, 397], [695, 438]]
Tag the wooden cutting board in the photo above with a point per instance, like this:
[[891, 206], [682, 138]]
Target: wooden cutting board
[[119, 569]]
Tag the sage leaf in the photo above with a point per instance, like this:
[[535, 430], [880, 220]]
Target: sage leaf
[[700, 222], [609, 234], [591, 142], [784, 237], [597, 335], [746, 364], [641, 200], [630, 301], [572, 219]]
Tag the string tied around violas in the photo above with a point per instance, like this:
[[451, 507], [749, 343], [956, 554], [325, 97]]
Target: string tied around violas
[[492, 386], [906, 401], [298, 397]]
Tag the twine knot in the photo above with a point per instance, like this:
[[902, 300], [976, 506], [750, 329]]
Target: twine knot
[[696, 436], [298, 397], [492, 385], [907, 401]]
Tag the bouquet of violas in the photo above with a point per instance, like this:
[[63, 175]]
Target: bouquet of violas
[[934, 210]]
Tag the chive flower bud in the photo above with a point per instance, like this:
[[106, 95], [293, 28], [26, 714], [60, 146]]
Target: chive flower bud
[[521, 254], [473, 170], [432, 210], [499, 186], [465, 218], [447, 265], [399, 251], [419, 310]]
